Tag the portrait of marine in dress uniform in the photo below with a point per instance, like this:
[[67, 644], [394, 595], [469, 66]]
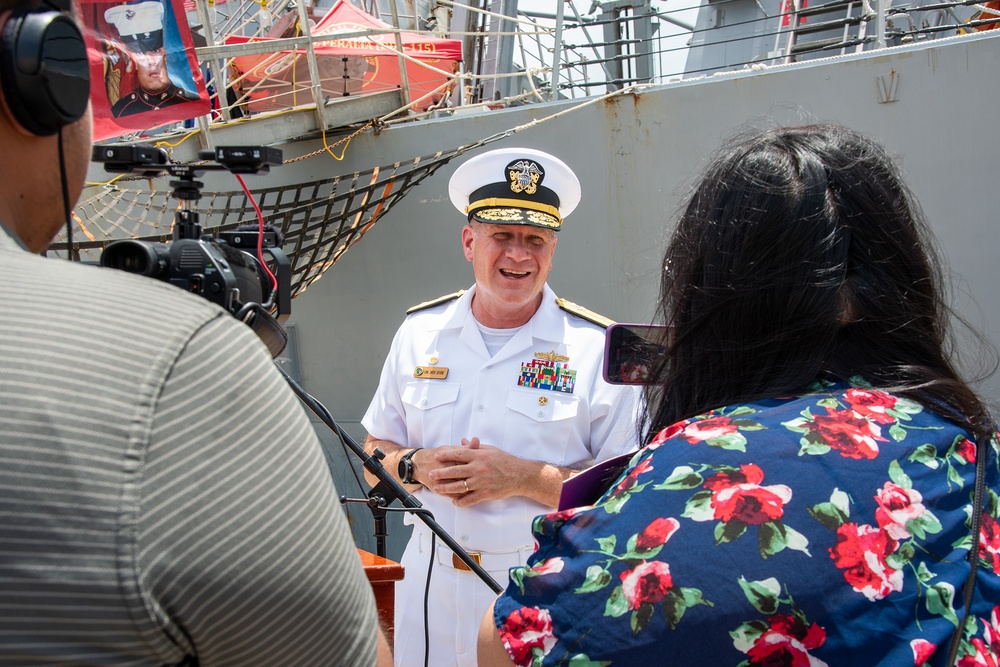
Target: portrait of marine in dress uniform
[[140, 30]]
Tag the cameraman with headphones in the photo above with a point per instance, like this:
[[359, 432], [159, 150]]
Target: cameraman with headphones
[[163, 497]]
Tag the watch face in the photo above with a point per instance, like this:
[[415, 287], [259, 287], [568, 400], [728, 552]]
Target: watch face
[[406, 468]]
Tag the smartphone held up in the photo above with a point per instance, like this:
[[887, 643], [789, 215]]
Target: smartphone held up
[[632, 352]]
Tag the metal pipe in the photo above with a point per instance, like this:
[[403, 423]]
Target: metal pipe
[[880, 41], [218, 69], [275, 45], [317, 89], [556, 54], [404, 82]]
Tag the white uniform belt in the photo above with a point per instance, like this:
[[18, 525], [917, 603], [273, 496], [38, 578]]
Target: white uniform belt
[[491, 561]]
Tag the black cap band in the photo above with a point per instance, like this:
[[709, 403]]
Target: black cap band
[[542, 195], [144, 42]]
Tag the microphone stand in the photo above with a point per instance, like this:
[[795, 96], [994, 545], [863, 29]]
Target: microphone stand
[[388, 489]]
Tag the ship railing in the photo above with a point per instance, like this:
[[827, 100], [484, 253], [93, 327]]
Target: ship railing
[[580, 51]]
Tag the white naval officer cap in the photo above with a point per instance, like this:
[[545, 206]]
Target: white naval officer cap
[[515, 186], [140, 25]]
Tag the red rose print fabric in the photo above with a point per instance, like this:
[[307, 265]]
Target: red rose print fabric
[[826, 529]]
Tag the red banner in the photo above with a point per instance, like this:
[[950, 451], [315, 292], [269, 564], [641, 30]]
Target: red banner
[[143, 69]]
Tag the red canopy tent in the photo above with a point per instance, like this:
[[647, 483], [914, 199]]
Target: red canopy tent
[[349, 66]]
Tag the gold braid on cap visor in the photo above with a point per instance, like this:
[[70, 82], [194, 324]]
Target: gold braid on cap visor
[[546, 210]]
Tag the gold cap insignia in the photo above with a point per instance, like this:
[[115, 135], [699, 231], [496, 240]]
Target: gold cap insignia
[[524, 176]]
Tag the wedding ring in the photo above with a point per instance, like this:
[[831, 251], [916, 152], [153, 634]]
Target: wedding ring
[[466, 482]]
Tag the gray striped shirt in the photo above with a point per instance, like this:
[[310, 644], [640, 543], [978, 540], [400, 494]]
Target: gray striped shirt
[[162, 493]]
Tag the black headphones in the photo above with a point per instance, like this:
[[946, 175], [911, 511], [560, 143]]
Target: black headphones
[[43, 67]]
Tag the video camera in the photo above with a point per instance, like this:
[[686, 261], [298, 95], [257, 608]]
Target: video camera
[[220, 269]]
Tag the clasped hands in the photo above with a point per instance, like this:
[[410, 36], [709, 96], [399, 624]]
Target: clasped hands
[[471, 473]]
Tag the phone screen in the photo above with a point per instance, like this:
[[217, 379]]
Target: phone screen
[[632, 352]]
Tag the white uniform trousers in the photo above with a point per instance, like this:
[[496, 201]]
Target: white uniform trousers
[[456, 603]]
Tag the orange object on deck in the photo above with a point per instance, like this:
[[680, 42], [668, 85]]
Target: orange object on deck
[[992, 4]]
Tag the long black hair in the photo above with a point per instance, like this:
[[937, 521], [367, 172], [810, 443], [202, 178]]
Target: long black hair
[[800, 256]]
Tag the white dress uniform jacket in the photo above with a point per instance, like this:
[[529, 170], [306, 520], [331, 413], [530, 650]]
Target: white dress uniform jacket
[[540, 397]]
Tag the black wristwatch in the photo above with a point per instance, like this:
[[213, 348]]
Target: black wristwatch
[[405, 469]]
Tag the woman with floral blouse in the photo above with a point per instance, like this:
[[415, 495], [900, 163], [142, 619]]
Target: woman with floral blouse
[[806, 495]]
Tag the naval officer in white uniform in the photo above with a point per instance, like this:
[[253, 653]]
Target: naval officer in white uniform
[[490, 398]]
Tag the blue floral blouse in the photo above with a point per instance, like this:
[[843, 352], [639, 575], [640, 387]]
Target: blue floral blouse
[[827, 529]]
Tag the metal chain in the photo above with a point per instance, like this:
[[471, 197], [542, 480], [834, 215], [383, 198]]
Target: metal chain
[[326, 149]]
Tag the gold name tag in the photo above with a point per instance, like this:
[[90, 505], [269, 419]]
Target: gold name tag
[[430, 372]]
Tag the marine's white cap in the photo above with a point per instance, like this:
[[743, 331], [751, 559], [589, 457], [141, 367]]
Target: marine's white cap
[[140, 25], [515, 186]]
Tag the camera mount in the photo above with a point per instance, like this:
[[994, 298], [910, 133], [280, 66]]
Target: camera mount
[[218, 269]]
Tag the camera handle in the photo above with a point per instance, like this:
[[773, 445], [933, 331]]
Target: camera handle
[[388, 490]]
